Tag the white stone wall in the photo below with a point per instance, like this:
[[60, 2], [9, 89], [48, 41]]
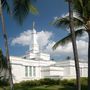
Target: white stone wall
[[18, 68], [44, 56], [69, 68], [45, 69], [18, 72], [52, 71], [56, 71]]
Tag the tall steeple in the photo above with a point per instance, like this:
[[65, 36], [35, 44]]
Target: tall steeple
[[34, 52], [34, 46]]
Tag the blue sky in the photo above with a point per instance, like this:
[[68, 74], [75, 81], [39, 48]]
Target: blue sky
[[48, 9]]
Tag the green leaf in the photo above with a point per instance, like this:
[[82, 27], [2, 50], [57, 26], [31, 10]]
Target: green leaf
[[67, 39], [81, 2], [6, 6], [63, 22], [33, 9], [22, 8]]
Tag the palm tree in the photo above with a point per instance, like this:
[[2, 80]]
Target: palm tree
[[3, 63], [6, 47], [71, 25], [3, 69], [21, 9], [81, 23], [73, 38]]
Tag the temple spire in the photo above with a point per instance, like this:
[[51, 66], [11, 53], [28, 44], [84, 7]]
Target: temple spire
[[33, 24], [34, 46]]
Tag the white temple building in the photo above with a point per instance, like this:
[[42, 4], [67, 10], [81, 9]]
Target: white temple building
[[37, 65]]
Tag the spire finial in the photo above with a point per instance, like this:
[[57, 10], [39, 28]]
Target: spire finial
[[33, 24]]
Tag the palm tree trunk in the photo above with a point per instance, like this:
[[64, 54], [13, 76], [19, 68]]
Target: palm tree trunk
[[71, 25], [89, 60], [6, 47]]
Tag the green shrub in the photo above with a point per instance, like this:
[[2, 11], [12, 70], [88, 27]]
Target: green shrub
[[48, 81], [72, 83], [64, 82], [84, 83], [4, 82], [27, 85], [34, 83]]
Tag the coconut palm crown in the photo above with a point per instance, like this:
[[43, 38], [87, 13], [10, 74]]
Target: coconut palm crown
[[19, 9], [81, 18]]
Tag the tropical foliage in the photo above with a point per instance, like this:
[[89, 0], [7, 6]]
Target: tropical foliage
[[19, 10], [81, 23], [70, 21], [48, 84], [3, 68]]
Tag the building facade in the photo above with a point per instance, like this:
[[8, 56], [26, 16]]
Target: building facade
[[36, 65]]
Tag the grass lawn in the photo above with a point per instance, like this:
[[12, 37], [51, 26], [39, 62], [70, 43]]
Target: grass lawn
[[48, 84], [47, 87], [54, 87]]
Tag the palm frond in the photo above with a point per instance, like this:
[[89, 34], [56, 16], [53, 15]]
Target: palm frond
[[83, 8], [3, 61], [6, 6], [63, 22], [62, 41], [22, 8], [3, 67], [67, 39], [33, 9], [80, 2], [78, 22], [78, 5]]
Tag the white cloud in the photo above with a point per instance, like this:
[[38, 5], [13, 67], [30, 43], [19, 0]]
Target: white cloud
[[44, 38], [67, 50], [75, 14], [55, 18], [25, 38], [84, 37], [45, 42], [82, 43]]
